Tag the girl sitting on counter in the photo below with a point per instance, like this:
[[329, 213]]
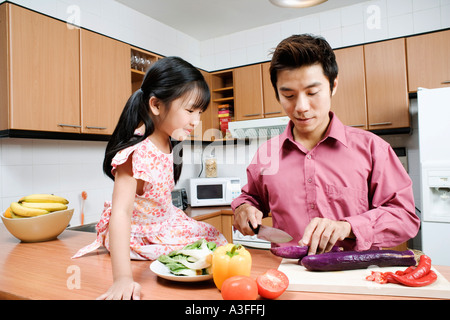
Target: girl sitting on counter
[[141, 223]]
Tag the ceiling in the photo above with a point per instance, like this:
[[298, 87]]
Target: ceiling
[[206, 19]]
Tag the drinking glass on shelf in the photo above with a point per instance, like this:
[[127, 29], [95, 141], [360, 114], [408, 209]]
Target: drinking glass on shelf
[[142, 64], [148, 62]]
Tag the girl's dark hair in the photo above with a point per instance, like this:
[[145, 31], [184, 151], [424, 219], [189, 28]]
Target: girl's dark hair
[[303, 50], [167, 79]]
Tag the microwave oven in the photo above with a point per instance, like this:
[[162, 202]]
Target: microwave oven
[[213, 191]]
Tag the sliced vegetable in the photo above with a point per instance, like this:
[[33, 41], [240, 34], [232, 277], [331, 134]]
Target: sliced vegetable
[[272, 284], [349, 260], [295, 252], [193, 259], [426, 280], [228, 261], [239, 288]]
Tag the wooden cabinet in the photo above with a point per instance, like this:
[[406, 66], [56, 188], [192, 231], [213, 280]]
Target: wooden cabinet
[[60, 78], [272, 107], [429, 60], [372, 89], [349, 102], [248, 91], [44, 82], [105, 81], [386, 83]]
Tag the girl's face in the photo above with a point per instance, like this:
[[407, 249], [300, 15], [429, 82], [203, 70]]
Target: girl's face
[[182, 117]]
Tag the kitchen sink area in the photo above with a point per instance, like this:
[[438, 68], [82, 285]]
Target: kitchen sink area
[[89, 227]]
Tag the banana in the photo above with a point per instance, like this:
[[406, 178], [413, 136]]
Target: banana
[[49, 206], [46, 198], [16, 216], [20, 210]]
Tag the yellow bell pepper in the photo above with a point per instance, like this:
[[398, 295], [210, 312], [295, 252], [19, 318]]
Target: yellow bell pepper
[[228, 261]]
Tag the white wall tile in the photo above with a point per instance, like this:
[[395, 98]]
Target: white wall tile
[[445, 16], [399, 7], [310, 24], [352, 15], [353, 34], [427, 20], [401, 25], [330, 19], [425, 4]]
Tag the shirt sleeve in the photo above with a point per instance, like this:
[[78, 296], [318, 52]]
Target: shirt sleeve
[[252, 192], [391, 219]]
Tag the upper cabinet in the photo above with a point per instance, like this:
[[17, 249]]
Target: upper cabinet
[[43, 83], [372, 89], [272, 107], [349, 101], [105, 81], [248, 91], [387, 86], [429, 60]]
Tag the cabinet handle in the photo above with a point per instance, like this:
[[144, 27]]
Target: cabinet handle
[[445, 82], [252, 115], [97, 128], [357, 125], [68, 125], [380, 124], [274, 112]]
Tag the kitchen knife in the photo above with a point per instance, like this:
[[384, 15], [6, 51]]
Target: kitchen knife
[[271, 234]]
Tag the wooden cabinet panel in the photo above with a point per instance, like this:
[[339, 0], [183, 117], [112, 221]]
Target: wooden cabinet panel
[[44, 73], [386, 81], [105, 81], [248, 93], [4, 71], [429, 60], [272, 107], [349, 102]]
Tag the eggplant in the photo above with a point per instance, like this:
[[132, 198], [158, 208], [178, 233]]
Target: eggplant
[[295, 252], [350, 260]]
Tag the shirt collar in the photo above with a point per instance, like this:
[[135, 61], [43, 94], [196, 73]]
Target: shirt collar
[[336, 130]]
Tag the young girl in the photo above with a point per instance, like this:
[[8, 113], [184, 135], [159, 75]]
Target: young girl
[[141, 223]]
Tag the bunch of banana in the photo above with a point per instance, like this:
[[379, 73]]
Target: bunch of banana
[[36, 205]]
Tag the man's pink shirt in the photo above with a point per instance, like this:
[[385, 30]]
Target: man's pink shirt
[[350, 175]]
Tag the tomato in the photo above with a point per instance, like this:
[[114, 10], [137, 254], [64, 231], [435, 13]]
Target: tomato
[[272, 284], [239, 288]]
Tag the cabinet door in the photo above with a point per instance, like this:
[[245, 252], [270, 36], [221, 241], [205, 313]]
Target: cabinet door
[[105, 81], [349, 101], [272, 107], [4, 85], [248, 102], [429, 60], [387, 89], [44, 66]]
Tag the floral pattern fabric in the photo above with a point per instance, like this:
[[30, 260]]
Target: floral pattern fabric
[[157, 226]]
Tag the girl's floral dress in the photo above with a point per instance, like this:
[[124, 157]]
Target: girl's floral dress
[[157, 226]]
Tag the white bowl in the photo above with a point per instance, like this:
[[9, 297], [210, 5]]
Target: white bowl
[[41, 228]]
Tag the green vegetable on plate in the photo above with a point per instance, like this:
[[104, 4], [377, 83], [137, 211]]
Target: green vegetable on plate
[[193, 260]]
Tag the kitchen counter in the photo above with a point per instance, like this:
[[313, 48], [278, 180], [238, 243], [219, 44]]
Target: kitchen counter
[[46, 271]]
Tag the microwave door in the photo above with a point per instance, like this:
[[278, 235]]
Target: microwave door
[[210, 192]]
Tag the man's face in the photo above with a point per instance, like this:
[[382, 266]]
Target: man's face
[[306, 98]]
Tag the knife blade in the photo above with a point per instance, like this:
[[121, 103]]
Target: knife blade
[[271, 234]]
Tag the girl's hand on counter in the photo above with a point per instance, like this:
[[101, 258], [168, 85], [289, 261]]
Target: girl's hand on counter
[[122, 289]]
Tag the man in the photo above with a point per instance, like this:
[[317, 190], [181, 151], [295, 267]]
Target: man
[[325, 183]]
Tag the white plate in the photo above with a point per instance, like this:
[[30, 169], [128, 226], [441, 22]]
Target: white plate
[[162, 271]]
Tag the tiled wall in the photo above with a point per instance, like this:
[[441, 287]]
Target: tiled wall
[[70, 167], [64, 168]]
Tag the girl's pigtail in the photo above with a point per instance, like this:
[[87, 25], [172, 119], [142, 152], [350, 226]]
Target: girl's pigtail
[[134, 113]]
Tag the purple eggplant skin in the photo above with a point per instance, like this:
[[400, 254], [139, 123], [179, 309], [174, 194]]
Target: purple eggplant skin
[[350, 260], [295, 252]]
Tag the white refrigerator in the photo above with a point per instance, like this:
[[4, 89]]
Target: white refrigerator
[[434, 144]]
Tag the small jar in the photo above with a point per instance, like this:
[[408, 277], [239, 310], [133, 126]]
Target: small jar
[[211, 167]]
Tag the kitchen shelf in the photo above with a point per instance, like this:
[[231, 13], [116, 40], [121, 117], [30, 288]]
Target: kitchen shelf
[[226, 99]]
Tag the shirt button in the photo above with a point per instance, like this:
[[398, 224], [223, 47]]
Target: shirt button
[[308, 157], [309, 180], [312, 206]]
